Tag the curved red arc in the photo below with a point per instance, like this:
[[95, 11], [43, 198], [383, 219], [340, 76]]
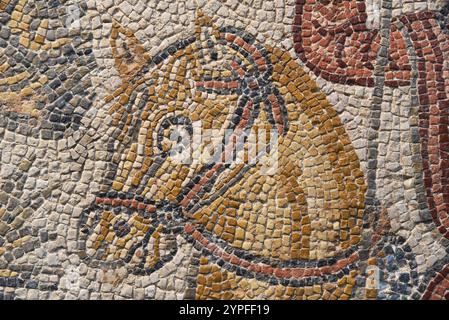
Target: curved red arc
[[430, 44]]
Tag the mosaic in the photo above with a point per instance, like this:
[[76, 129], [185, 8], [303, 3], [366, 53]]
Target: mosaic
[[285, 149]]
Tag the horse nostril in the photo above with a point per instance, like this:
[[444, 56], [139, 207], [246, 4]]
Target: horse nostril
[[121, 229]]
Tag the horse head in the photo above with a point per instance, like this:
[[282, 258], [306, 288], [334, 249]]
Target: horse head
[[216, 82]]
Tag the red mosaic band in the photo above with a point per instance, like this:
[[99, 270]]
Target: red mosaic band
[[283, 273], [438, 288]]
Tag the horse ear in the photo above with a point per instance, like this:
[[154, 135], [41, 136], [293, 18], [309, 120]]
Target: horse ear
[[204, 27], [127, 51]]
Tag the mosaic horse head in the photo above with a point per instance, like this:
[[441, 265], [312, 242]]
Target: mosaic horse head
[[305, 212]]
